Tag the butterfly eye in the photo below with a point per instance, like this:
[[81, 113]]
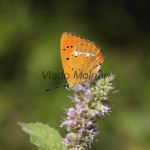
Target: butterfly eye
[[68, 87]]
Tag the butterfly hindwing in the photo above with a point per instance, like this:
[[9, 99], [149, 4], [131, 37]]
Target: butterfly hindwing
[[84, 63]]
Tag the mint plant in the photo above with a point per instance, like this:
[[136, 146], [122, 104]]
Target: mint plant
[[90, 105]]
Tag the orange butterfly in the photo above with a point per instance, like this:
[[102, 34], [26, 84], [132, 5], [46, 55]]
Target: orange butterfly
[[81, 59]]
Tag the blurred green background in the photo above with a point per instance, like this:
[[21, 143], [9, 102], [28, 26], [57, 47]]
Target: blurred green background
[[30, 32]]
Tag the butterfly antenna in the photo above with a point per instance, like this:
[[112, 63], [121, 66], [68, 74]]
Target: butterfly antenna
[[56, 87]]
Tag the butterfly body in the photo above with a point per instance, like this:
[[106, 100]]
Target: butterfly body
[[81, 58]]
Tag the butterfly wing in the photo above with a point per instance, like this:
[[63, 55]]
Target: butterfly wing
[[81, 59], [68, 42], [84, 63]]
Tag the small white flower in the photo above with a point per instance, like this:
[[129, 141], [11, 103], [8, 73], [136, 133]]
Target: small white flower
[[76, 99], [104, 109], [88, 93]]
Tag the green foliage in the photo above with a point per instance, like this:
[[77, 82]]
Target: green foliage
[[43, 136], [30, 34]]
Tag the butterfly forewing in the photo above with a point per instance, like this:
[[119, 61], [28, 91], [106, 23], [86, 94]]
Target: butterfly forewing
[[68, 41]]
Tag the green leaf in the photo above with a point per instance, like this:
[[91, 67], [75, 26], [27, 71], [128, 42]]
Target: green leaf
[[43, 136]]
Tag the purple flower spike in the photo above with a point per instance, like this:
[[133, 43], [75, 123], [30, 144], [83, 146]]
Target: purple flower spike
[[88, 94], [91, 103]]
